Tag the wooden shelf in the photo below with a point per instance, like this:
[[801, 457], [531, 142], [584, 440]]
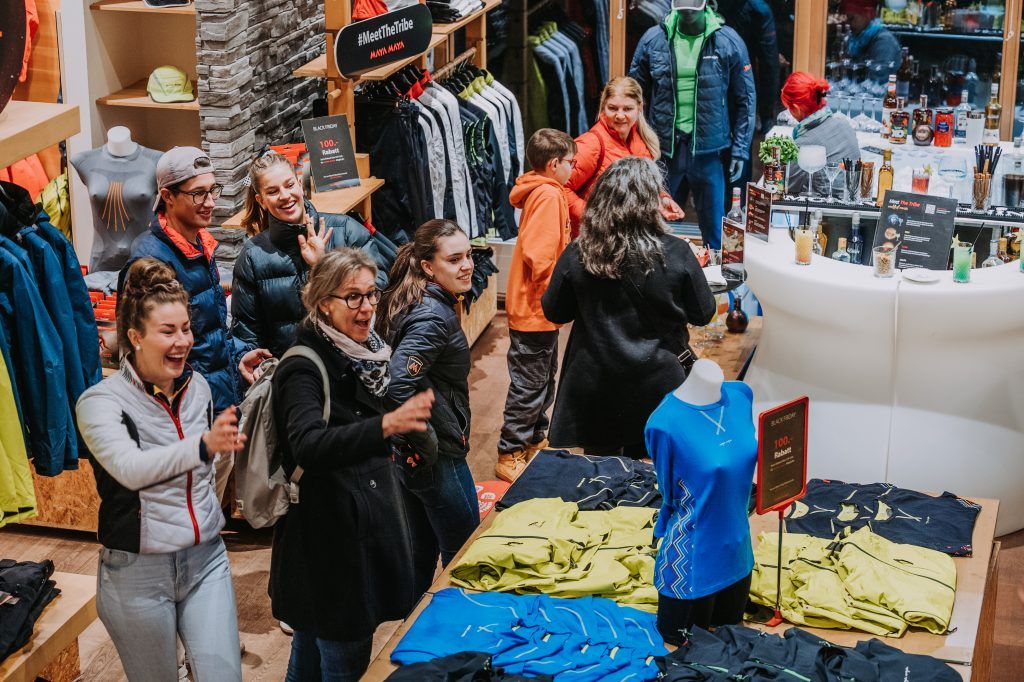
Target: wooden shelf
[[140, 7], [337, 201], [135, 96], [29, 127], [448, 29], [318, 67]]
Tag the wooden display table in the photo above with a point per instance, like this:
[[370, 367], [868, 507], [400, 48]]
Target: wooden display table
[[28, 127], [52, 653]]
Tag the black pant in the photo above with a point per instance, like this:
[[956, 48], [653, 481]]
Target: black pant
[[724, 607], [532, 369]]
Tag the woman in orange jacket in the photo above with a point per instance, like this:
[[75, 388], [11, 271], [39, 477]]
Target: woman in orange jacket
[[621, 130]]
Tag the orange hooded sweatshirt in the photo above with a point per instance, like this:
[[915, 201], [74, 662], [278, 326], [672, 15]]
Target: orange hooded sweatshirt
[[543, 235]]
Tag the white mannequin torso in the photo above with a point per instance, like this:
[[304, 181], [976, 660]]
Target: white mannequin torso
[[120, 142], [703, 386]]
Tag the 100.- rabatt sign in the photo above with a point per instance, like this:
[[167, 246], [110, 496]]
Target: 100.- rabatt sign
[[389, 37]]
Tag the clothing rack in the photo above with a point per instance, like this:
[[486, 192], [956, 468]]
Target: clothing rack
[[450, 67]]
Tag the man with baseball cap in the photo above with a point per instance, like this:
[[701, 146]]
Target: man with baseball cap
[[870, 40], [699, 97], [178, 236]]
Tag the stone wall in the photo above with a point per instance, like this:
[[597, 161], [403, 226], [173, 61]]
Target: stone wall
[[248, 98]]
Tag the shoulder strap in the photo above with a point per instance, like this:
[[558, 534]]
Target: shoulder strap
[[585, 187], [308, 353]]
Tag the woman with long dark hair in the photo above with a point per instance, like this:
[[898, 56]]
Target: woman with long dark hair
[[630, 289], [418, 319]]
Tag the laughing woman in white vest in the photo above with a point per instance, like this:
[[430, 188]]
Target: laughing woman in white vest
[[163, 570]]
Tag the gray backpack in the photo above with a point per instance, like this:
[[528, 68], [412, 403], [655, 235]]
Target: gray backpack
[[263, 492]]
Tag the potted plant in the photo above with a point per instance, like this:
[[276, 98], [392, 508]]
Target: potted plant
[[780, 150]]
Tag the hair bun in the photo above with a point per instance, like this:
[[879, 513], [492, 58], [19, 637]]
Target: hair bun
[[147, 274]]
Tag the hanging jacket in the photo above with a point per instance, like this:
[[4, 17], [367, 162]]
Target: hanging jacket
[[17, 493], [543, 235], [216, 353], [266, 292], [597, 149], [153, 473], [725, 99], [430, 350]]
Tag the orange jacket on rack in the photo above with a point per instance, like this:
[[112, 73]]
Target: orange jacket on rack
[[543, 235], [597, 149]]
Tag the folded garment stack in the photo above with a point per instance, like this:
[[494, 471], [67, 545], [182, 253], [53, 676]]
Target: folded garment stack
[[450, 11], [591, 482], [25, 590], [578, 639], [551, 547], [860, 582]]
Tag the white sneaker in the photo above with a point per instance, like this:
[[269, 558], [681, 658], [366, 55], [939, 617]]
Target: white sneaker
[[183, 672], [285, 628]]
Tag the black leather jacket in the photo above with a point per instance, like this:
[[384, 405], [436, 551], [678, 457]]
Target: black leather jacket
[[429, 350], [266, 304]]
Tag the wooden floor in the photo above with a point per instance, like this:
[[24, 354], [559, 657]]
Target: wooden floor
[[267, 648]]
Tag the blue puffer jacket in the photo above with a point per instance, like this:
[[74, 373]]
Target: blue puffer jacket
[[725, 91], [216, 353]]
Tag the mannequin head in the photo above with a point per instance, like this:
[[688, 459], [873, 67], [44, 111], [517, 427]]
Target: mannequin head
[[703, 385], [622, 109], [804, 94], [274, 190], [153, 323], [119, 141]]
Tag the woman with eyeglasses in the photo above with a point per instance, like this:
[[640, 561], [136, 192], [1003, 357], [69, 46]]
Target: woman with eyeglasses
[[621, 130], [289, 237], [341, 562], [418, 318]]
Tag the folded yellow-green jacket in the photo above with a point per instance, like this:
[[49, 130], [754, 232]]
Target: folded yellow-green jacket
[[548, 546]]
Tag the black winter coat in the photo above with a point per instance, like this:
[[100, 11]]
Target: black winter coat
[[266, 304], [430, 350], [621, 360], [342, 557]]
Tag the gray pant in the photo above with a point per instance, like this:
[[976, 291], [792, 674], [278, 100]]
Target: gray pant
[[532, 368], [144, 600]]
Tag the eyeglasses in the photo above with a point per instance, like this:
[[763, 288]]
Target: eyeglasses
[[571, 162], [355, 301], [199, 195]]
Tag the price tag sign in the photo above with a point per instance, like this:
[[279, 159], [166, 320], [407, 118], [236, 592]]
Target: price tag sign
[[782, 456], [759, 211], [331, 159]]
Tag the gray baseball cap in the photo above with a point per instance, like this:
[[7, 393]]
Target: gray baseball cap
[[178, 165], [692, 5]]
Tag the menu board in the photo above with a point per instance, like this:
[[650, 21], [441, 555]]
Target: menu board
[[759, 211], [921, 225], [732, 249], [390, 37], [782, 455], [331, 159]]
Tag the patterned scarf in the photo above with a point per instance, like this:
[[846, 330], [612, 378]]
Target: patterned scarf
[[370, 360]]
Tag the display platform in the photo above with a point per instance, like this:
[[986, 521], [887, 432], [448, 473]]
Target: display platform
[[913, 384]]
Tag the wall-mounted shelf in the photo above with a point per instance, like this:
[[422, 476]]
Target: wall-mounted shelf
[[28, 127], [139, 6], [336, 201], [135, 96], [448, 29], [318, 67]]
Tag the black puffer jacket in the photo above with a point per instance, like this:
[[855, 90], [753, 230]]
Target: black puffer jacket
[[429, 350], [266, 305], [342, 557]]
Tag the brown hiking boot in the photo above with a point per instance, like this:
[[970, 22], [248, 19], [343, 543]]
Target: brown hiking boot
[[510, 466], [532, 450]]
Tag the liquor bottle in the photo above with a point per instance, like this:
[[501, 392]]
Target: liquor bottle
[[1003, 256], [936, 85], [855, 247], [993, 253], [948, 14], [735, 214], [737, 320], [993, 112], [900, 124], [917, 83], [884, 176], [841, 254], [964, 108], [888, 107], [972, 84], [923, 131], [904, 74]]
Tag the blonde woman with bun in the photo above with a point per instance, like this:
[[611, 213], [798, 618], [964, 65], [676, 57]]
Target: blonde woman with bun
[[621, 130]]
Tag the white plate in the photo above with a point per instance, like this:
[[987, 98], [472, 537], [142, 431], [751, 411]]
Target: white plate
[[920, 275]]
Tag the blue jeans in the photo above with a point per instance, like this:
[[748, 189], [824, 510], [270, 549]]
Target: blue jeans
[[443, 512], [144, 600], [704, 175], [324, 660]]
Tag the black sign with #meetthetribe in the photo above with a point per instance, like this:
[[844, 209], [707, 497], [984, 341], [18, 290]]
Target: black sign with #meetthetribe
[[390, 37]]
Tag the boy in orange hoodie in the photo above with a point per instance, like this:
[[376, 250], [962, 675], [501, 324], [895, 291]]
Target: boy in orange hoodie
[[533, 349]]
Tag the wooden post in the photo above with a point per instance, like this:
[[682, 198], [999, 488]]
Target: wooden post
[[616, 38], [810, 34], [476, 36], [1011, 58]]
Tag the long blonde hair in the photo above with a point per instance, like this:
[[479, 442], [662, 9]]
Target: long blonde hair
[[254, 217], [624, 86]]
